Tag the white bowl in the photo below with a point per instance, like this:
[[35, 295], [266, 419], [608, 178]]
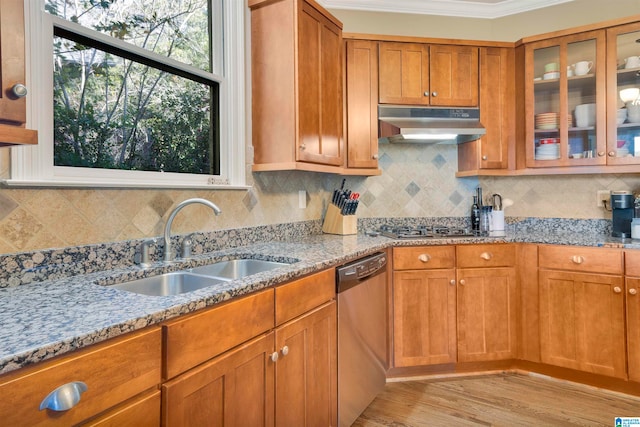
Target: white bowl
[[551, 75], [629, 94]]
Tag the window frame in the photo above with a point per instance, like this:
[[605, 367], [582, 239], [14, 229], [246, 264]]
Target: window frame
[[33, 166]]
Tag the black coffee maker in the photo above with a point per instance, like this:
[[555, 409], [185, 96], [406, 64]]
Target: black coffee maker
[[623, 212]]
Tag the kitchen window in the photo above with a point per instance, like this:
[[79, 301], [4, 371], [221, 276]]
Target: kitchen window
[[134, 93]]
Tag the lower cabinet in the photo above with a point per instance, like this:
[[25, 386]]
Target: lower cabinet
[[235, 389], [582, 323], [633, 328], [486, 314]]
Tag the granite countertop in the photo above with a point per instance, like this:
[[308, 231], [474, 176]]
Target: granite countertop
[[50, 318]]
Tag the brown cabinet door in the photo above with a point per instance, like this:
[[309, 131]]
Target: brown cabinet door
[[424, 317], [235, 389], [319, 89], [362, 103], [486, 314], [582, 322], [403, 73], [633, 328], [453, 74], [306, 371]]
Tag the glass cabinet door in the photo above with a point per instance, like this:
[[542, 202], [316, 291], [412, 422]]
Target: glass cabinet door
[[623, 102], [566, 89]]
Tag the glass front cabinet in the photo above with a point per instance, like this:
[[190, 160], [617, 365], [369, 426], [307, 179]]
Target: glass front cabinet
[[566, 101], [623, 103]]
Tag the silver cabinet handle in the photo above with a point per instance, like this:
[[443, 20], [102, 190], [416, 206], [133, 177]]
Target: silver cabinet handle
[[617, 289], [462, 282], [64, 397], [19, 90], [486, 256], [424, 257], [284, 350], [577, 259], [274, 356], [632, 291]]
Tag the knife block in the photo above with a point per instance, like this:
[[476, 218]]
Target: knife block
[[336, 223]]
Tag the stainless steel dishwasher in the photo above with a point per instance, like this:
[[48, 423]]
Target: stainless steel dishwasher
[[362, 334]]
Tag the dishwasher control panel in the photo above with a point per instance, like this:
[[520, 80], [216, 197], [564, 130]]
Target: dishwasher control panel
[[361, 268]]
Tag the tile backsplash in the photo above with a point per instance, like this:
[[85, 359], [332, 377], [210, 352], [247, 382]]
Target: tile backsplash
[[416, 181]]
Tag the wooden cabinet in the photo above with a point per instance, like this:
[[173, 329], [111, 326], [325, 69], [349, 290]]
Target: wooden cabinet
[[632, 271], [361, 112], [235, 389], [12, 75], [296, 57], [565, 100], [436, 321], [486, 302], [497, 114], [117, 372], [420, 74], [306, 371], [582, 311]]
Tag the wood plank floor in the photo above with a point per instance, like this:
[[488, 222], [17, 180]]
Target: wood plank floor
[[506, 399]]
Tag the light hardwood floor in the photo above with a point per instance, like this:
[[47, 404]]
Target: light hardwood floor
[[506, 399]]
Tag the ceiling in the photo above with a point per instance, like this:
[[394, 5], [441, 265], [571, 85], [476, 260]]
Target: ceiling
[[487, 9]]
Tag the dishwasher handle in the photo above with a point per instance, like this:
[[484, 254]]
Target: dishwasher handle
[[349, 275]]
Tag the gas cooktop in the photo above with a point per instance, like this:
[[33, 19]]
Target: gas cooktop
[[425, 232]]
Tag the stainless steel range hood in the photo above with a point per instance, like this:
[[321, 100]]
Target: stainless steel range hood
[[430, 124]]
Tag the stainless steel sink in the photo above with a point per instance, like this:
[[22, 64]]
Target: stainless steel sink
[[180, 282], [236, 268], [174, 283]]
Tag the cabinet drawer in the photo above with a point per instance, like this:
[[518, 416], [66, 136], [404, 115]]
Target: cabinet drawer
[[300, 296], [424, 257], [632, 263], [191, 340], [113, 372], [492, 255], [143, 411], [582, 259]]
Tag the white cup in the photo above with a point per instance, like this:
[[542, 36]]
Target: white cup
[[585, 115], [632, 62], [633, 112], [582, 67]]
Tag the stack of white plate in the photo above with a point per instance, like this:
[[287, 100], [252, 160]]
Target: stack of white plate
[[546, 121], [548, 151]]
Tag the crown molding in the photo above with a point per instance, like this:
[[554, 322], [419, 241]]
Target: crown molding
[[484, 9]]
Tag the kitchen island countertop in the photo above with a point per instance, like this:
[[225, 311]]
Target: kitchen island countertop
[[50, 318]]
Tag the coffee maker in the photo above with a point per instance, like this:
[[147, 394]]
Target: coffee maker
[[622, 208]]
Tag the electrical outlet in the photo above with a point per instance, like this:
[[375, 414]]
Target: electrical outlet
[[602, 197]]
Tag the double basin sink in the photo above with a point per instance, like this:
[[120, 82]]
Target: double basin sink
[[192, 279]]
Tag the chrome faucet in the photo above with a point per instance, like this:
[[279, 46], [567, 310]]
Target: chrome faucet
[[168, 252]]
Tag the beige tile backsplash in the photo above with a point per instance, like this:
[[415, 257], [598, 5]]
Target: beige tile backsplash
[[417, 180]]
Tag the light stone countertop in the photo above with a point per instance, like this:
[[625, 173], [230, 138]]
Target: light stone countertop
[[50, 318]]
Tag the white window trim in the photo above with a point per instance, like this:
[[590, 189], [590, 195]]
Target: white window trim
[[33, 165]]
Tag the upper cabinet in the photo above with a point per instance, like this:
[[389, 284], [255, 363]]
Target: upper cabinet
[[435, 75], [623, 100], [296, 59], [565, 113], [13, 88]]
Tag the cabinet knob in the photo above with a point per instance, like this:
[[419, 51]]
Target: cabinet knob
[[274, 356], [284, 350], [484, 157], [486, 255], [600, 153], [374, 157], [302, 146], [426, 93], [462, 282], [617, 289], [452, 281], [424, 257], [577, 259], [633, 291], [434, 93], [612, 153], [19, 90], [64, 397]]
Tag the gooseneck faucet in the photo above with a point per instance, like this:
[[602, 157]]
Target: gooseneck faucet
[[168, 252]]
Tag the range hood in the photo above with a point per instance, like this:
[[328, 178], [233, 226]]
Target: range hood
[[432, 125]]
